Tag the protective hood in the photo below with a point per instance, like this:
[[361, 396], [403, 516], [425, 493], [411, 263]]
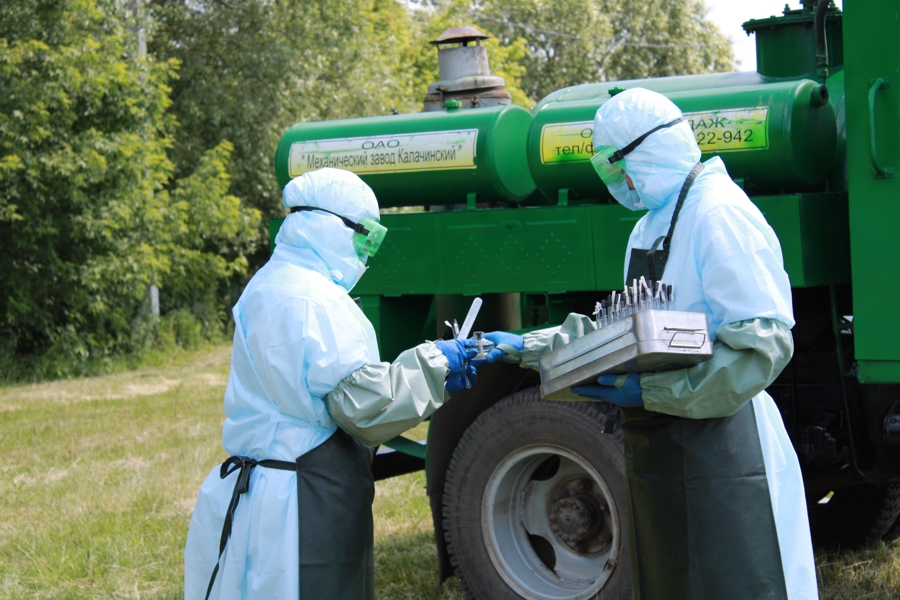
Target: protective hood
[[660, 164], [341, 192]]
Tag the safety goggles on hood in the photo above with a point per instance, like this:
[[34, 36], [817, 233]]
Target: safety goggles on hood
[[607, 160], [368, 233]]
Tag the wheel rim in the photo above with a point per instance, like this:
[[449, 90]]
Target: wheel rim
[[550, 524]]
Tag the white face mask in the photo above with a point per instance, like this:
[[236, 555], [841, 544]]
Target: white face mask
[[360, 272], [630, 199]]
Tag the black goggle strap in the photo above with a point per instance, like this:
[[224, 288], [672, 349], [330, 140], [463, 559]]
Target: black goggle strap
[[620, 154], [354, 226]]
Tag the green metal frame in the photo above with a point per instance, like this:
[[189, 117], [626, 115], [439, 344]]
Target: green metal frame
[[872, 64], [554, 251]]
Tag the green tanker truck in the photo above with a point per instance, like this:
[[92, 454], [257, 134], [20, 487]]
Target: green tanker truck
[[514, 214]]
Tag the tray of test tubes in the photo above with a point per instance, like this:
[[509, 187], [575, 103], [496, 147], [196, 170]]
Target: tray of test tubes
[[636, 333]]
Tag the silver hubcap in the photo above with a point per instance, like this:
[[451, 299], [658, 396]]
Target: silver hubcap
[[550, 524]]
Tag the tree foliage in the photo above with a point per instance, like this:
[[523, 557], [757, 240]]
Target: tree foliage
[[251, 69], [87, 221], [580, 41]]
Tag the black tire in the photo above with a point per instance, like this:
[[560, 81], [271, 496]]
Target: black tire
[[893, 531], [534, 503], [854, 516]]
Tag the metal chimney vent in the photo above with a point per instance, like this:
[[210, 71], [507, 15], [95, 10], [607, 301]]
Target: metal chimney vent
[[465, 73]]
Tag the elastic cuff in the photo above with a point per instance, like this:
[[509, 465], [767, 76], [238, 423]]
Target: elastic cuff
[[533, 348]]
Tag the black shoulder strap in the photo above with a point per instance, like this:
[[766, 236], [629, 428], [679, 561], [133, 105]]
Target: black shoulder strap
[[688, 182], [657, 257]]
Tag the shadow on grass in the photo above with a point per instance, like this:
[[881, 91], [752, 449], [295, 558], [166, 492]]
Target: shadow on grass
[[406, 568]]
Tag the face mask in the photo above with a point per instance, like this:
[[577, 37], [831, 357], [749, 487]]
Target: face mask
[[359, 273], [630, 199]]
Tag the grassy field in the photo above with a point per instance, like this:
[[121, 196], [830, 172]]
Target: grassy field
[[99, 478]]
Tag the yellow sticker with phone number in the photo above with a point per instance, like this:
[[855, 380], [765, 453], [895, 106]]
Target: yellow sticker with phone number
[[730, 129]]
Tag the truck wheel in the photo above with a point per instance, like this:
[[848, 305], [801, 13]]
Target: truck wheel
[[534, 503], [893, 533], [854, 516]]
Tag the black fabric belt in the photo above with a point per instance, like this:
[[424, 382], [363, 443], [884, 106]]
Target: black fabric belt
[[241, 486]]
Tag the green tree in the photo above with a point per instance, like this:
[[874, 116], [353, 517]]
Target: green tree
[[251, 69], [86, 220], [212, 235], [579, 41]]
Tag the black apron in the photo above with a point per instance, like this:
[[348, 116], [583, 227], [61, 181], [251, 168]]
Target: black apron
[[700, 518], [335, 490]]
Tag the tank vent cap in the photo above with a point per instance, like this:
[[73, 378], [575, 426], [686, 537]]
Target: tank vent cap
[[460, 35]]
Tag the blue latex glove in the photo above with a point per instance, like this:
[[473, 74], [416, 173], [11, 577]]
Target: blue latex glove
[[458, 353], [457, 383], [621, 390], [512, 350]]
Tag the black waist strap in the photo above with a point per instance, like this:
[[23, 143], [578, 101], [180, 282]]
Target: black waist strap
[[241, 486]]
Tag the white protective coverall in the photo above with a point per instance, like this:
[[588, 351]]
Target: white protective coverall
[[305, 361], [716, 498]]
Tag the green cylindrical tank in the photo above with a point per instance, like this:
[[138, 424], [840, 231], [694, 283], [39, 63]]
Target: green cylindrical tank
[[424, 158], [779, 135]]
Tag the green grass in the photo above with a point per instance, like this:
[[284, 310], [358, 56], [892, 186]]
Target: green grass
[[99, 476]]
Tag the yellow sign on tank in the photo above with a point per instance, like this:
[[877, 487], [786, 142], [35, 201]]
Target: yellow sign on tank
[[731, 129], [567, 142], [430, 151], [725, 130]]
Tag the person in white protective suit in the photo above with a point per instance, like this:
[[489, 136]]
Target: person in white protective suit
[[716, 504], [289, 514]]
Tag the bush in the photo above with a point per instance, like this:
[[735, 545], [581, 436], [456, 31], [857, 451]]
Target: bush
[[89, 213]]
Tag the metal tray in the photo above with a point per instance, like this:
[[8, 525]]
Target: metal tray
[[645, 342]]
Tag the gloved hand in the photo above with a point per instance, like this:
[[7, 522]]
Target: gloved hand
[[458, 353], [621, 390], [457, 383], [506, 345]]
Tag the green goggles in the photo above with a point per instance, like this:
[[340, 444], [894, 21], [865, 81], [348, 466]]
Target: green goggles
[[609, 161], [368, 233]]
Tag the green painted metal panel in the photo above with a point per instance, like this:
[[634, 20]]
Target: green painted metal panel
[[813, 232], [612, 226], [872, 70], [524, 250], [400, 322], [570, 249], [407, 262], [878, 371], [547, 249]]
